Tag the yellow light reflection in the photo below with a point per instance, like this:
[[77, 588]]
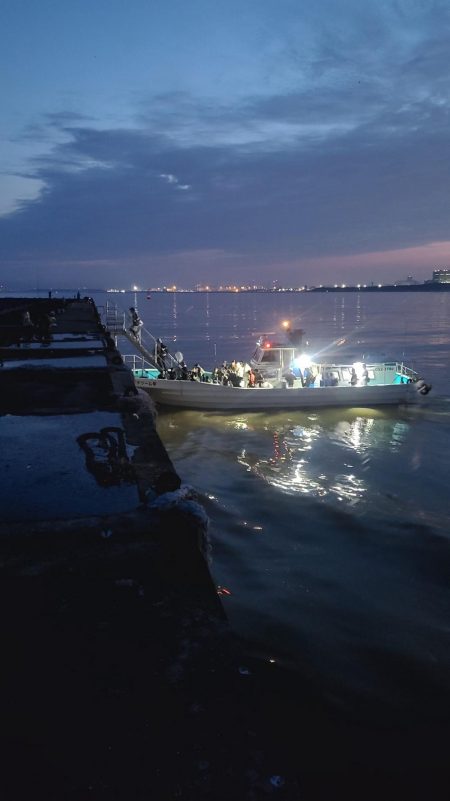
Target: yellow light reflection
[[325, 456]]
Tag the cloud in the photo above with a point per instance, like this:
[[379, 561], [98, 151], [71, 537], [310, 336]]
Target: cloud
[[350, 156], [110, 195]]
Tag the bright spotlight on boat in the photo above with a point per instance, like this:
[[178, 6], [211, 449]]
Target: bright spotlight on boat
[[286, 323], [302, 362]]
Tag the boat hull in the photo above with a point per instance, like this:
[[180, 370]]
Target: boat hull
[[216, 397]]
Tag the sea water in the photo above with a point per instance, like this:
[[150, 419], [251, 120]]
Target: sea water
[[329, 530]]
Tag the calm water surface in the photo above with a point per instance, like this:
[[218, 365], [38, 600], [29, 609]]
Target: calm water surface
[[329, 530]]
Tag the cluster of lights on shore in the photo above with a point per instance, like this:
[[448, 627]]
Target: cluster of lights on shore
[[233, 288]]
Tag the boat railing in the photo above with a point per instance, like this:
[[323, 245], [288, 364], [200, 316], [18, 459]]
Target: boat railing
[[114, 319], [135, 362], [408, 372], [142, 339], [379, 372]]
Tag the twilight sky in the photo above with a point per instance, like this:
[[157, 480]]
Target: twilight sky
[[182, 141]]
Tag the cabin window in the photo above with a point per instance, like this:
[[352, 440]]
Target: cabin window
[[270, 356]]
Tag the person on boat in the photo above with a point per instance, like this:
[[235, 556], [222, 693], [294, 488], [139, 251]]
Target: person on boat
[[161, 353], [259, 378], [353, 378], [184, 373], [309, 377], [197, 372], [239, 369], [136, 322], [234, 379], [289, 377], [251, 378], [227, 379], [365, 376]]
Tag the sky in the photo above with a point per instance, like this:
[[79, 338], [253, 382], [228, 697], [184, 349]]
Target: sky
[[197, 141]]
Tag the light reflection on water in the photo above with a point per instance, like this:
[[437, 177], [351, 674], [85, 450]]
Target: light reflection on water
[[338, 456], [295, 453], [316, 533], [329, 531]]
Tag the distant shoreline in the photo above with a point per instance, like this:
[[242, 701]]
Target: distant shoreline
[[388, 288], [374, 289], [430, 287]]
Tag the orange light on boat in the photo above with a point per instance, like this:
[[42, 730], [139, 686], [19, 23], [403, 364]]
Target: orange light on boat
[[267, 345]]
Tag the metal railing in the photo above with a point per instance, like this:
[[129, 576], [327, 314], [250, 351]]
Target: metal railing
[[143, 340]]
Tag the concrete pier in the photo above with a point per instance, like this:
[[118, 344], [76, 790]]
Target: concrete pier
[[121, 678]]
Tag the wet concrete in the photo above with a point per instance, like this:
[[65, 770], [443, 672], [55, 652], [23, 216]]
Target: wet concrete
[[121, 677]]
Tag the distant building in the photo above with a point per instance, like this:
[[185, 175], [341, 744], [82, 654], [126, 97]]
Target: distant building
[[408, 281], [441, 276]]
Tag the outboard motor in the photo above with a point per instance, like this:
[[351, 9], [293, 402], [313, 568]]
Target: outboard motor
[[422, 387]]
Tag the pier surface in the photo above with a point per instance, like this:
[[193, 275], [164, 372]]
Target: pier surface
[[121, 677]]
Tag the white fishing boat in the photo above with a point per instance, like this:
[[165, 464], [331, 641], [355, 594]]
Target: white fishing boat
[[282, 376]]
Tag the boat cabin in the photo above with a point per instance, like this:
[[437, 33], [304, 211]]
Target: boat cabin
[[271, 358]]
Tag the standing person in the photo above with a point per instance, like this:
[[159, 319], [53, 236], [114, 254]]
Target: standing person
[[251, 378], [197, 371], [309, 377], [289, 377], [28, 327], [136, 322], [259, 378], [161, 353], [353, 378], [365, 375], [239, 370]]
